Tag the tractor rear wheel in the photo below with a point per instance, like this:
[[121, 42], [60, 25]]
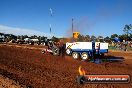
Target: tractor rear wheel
[[75, 55]]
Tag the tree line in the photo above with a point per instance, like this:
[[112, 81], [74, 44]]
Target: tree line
[[87, 38], [127, 36]]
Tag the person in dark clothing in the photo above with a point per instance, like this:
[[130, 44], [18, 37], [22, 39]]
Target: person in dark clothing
[[62, 50]]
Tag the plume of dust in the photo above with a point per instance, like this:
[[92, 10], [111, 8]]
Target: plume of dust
[[83, 25], [103, 14], [79, 26]]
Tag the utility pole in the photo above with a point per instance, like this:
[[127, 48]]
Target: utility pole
[[50, 28], [51, 14], [72, 30], [72, 25]]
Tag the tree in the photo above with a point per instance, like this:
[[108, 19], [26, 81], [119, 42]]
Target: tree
[[131, 37], [22, 37], [44, 39], [9, 37], [93, 38], [55, 39], [123, 37], [80, 38], [1, 33], [87, 37], [33, 37], [13, 37], [25, 36], [128, 31], [18, 37], [100, 39], [107, 39], [114, 36]]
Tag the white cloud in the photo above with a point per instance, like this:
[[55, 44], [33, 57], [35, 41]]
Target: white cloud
[[22, 31]]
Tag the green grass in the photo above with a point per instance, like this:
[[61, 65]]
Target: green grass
[[114, 48]]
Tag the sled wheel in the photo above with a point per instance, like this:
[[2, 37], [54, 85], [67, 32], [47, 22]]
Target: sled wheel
[[75, 55], [68, 51], [84, 56]]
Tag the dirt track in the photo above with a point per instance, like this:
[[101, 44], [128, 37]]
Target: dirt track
[[35, 70]]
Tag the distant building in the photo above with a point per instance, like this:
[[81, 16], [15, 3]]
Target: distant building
[[27, 39], [35, 40]]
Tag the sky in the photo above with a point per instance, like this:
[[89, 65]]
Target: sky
[[90, 17]]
